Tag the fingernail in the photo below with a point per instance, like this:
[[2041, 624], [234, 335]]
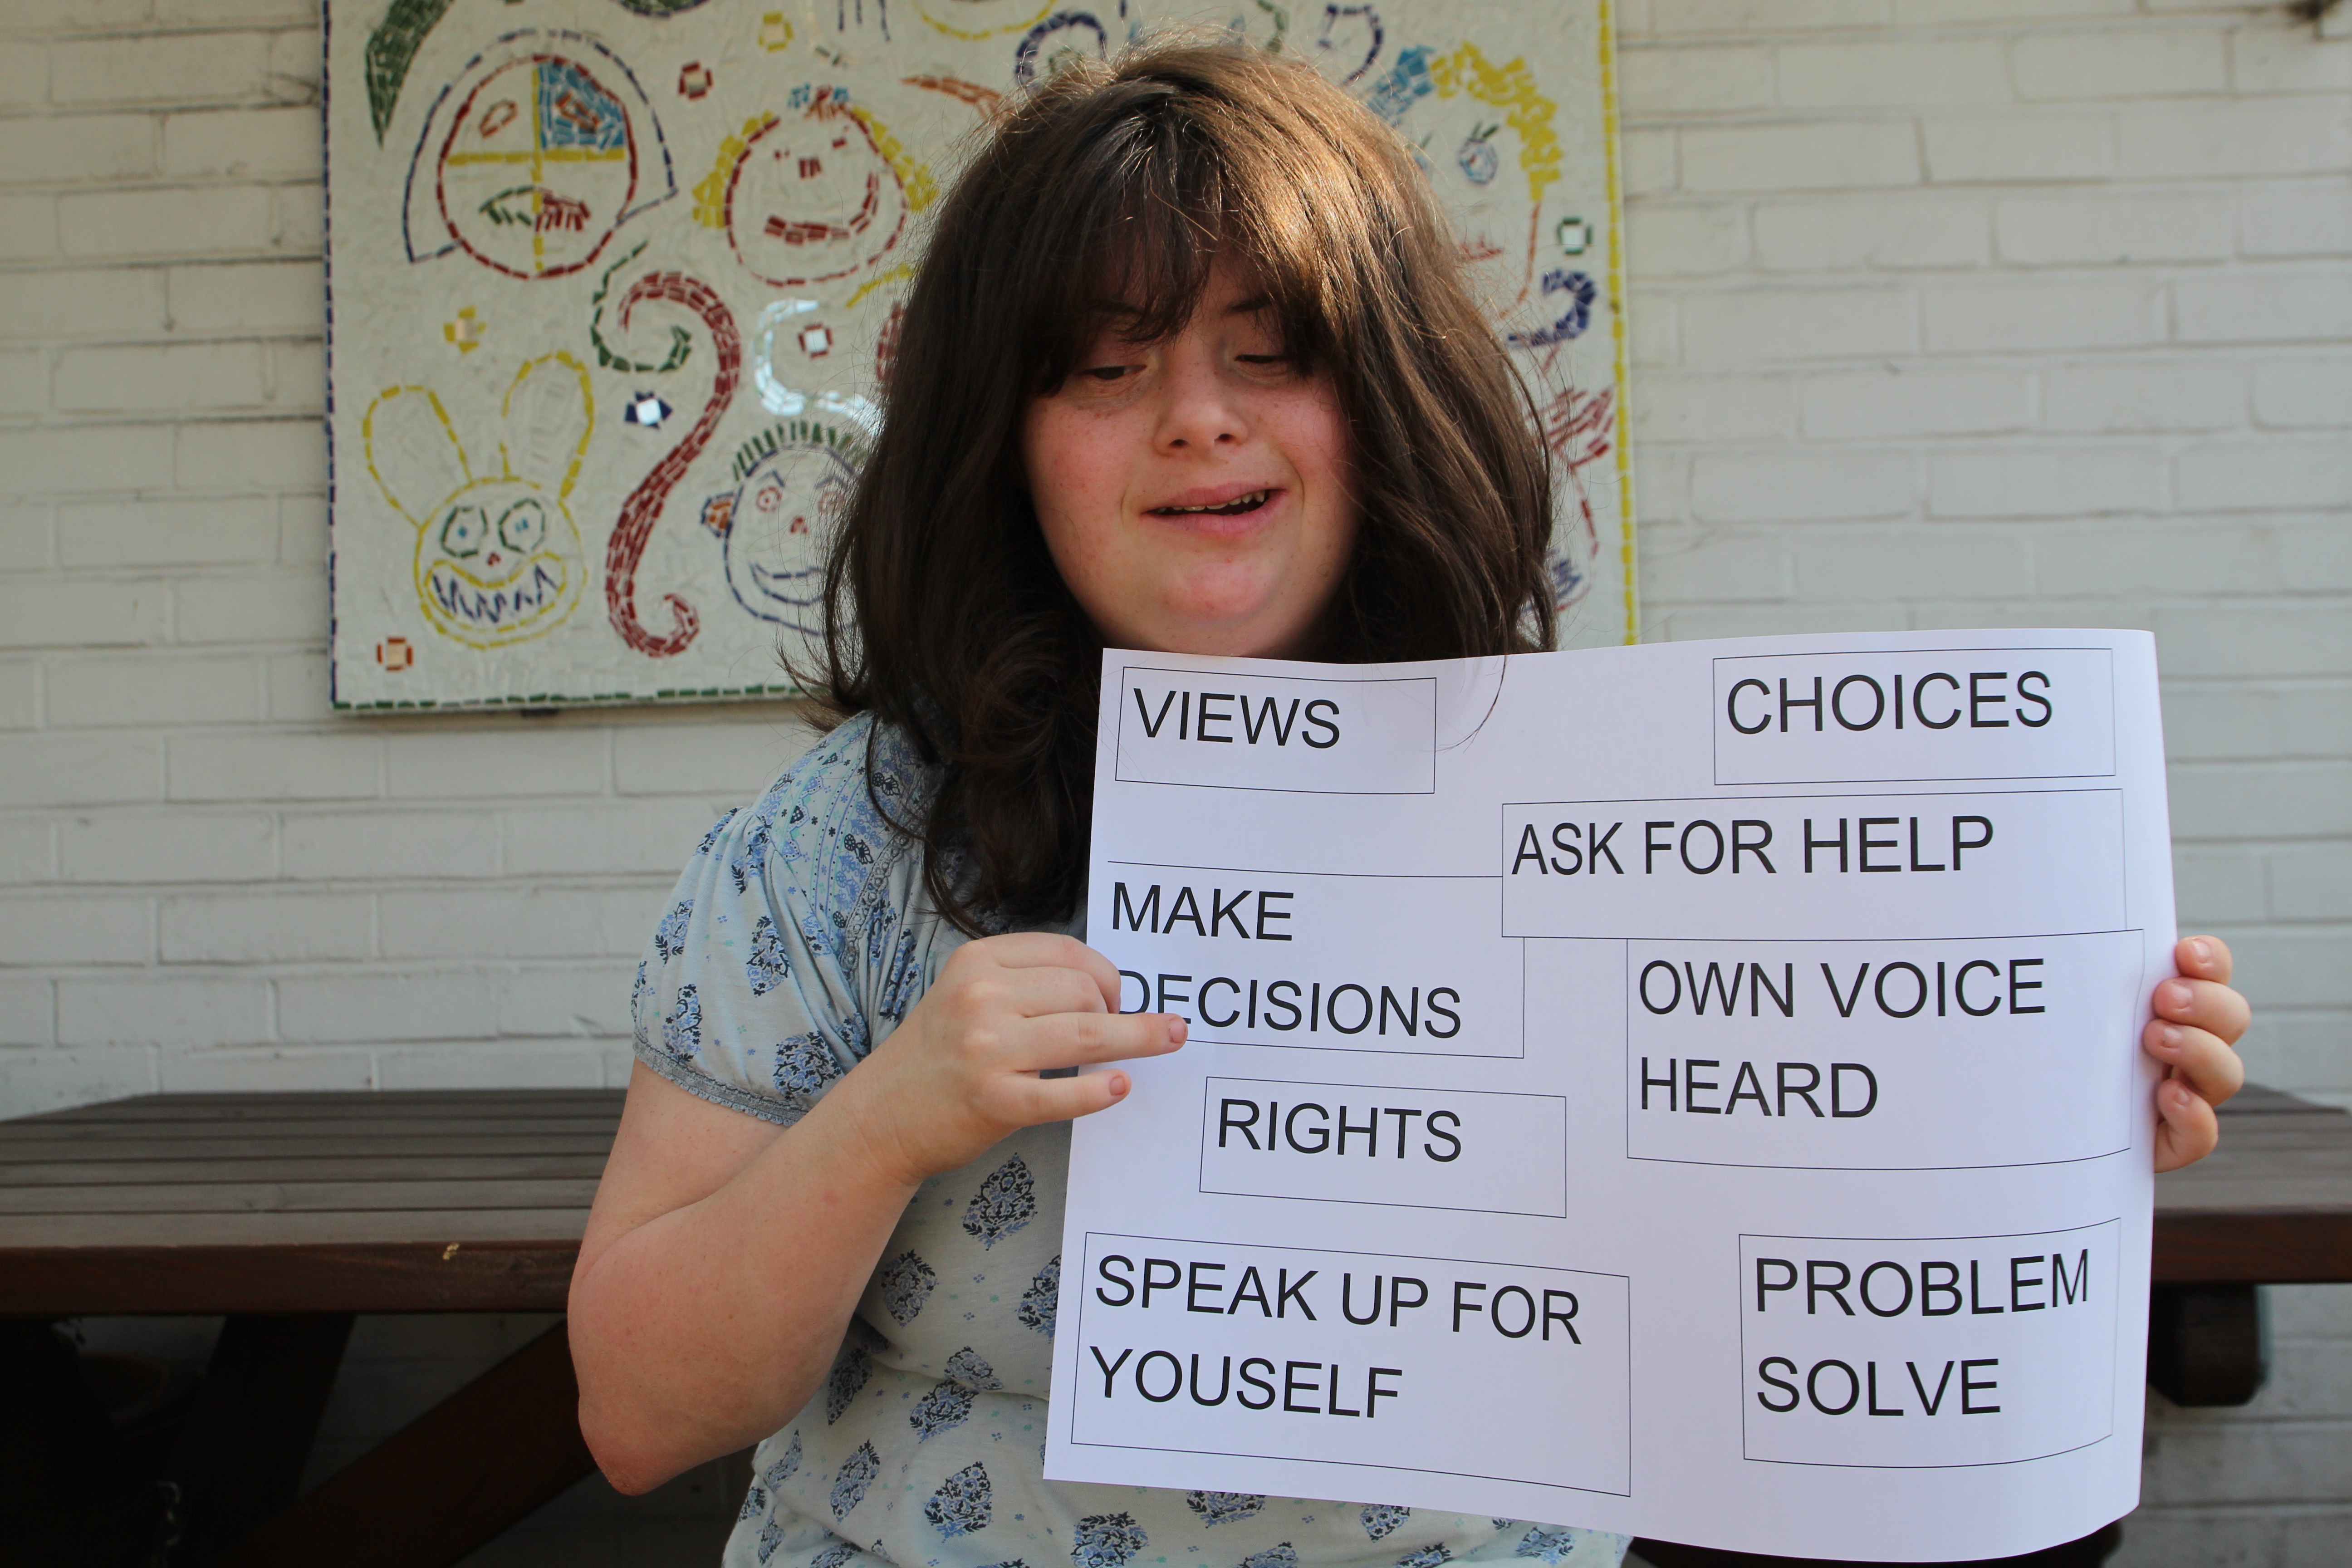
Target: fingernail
[[2169, 1036], [2202, 948], [2176, 994], [1175, 1031], [1118, 1083]]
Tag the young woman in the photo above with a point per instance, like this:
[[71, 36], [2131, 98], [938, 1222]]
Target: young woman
[[1190, 366]]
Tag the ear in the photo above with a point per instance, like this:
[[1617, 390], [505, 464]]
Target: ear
[[549, 411], [413, 452]]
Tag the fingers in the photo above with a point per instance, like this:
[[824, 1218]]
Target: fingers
[[1065, 1098], [2200, 1061], [1040, 991], [2186, 1128], [1043, 949], [2204, 1005], [2203, 958], [1080, 1039]]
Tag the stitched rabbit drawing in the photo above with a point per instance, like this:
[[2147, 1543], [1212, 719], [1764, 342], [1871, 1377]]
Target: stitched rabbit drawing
[[498, 558]]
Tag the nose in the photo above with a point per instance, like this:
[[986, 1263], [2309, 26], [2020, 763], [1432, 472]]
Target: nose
[[1198, 411]]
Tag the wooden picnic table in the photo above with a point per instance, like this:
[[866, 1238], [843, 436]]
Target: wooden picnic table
[[288, 1214]]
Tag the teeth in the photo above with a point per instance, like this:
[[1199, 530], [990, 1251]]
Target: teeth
[[1239, 503]]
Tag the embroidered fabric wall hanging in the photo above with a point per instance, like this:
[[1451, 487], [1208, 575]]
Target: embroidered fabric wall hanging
[[609, 281]]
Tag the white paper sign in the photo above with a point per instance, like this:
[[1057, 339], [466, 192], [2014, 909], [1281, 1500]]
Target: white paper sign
[[1691, 1090]]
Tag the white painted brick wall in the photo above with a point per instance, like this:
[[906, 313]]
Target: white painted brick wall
[[1945, 312]]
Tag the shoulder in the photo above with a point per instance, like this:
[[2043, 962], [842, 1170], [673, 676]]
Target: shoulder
[[830, 828]]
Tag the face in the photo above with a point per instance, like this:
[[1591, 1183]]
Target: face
[[1196, 493]]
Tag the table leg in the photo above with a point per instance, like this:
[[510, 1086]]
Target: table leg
[[240, 1456], [479, 1461], [2208, 1344], [69, 1492]]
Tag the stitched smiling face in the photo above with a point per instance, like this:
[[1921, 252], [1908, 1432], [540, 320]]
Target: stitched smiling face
[[499, 561], [812, 198]]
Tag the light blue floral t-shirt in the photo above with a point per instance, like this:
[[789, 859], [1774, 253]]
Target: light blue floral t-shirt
[[798, 938]]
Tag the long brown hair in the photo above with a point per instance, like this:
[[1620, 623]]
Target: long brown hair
[[945, 614]]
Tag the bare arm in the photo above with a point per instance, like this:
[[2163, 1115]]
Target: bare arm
[[723, 1257]]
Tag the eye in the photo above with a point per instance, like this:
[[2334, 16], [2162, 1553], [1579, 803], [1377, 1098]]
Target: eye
[[524, 526], [464, 531], [1108, 375]]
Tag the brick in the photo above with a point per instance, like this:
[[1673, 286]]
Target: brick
[[515, 757], [2114, 230], [146, 849], [731, 761], [2247, 475], [2036, 482], [24, 74], [285, 454], [1965, 12], [162, 687], [1690, 81], [2238, 718], [247, 297], [2155, 556], [243, 144], [27, 1017], [159, 378], [2266, 640], [1775, 620], [1819, 156], [2313, 884], [74, 16], [278, 1070], [72, 929], [20, 694], [27, 850], [1764, 15], [370, 1005], [649, 838], [1653, 337], [510, 1066], [1894, 404], [35, 1081], [36, 612], [1778, 325], [24, 534], [2191, 141], [167, 533], [1650, 162], [1686, 241], [179, 68], [2266, 306], [298, 687], [1714, 408], [296, 64], [28, 226], [166, 222], [62, 768], [2295, 219], [218, 11], [1914, 562], [2134, 62], [298, 375], [75, 149], [261, 928], [527, 923], [90, 302], [2188, 395], [1714, 565], [2217, 885], [24, 381], [1884, 233], [2044, 315], [1756, 487], [273, 766], [2316, 555], [1892, 74], [253, 607], [2017, 148], [457, 842], [181, 1010], [2272, 53], [298, 221]]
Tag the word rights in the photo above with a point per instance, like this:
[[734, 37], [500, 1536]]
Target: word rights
[[1691, 1090]]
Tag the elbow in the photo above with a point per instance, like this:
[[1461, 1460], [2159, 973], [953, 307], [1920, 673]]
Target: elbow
[[627, 1467]]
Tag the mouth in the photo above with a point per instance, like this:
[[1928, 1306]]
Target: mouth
[[1233, 506]]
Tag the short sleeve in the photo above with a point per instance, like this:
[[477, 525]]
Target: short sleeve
[[783, 942]]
